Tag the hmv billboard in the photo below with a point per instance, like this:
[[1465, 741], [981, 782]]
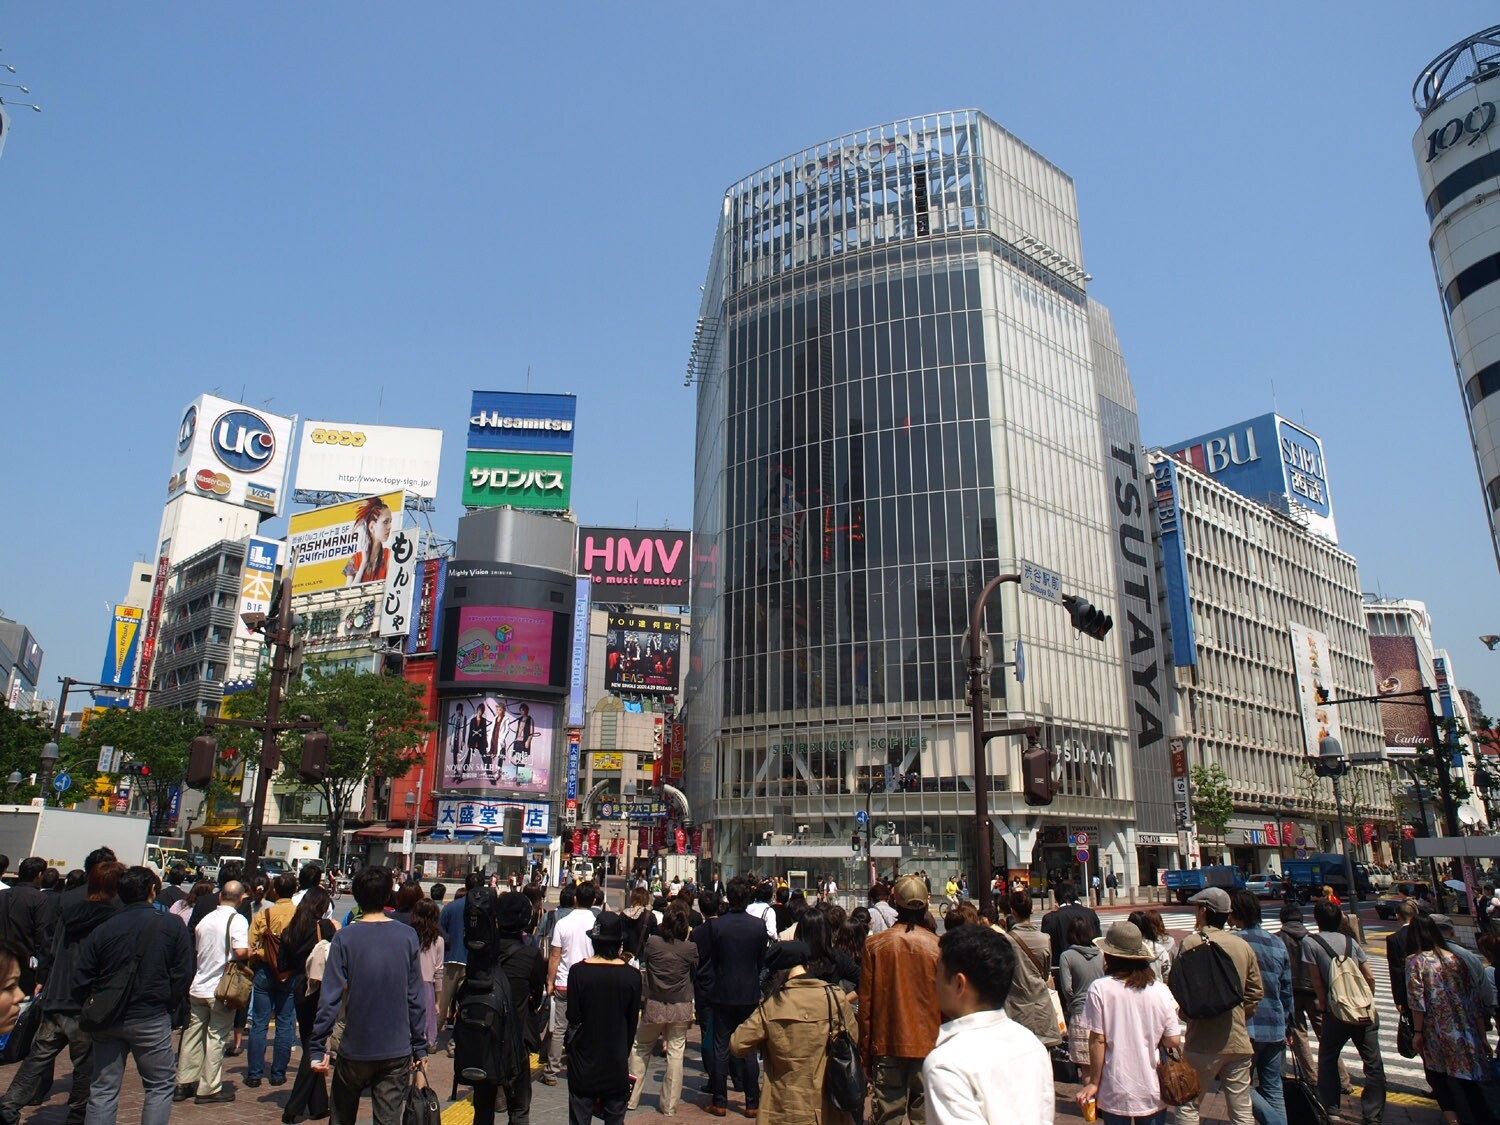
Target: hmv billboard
[[1271, 460], [636, 566]]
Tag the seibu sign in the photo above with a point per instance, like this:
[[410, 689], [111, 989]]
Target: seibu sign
[[636, 567]]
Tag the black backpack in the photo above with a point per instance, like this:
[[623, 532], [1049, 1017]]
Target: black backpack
[[1205, 981], [488, 1037]]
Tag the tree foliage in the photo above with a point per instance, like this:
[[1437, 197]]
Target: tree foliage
[[157, 738], [1213, 803], [376, 727], [22, 736]]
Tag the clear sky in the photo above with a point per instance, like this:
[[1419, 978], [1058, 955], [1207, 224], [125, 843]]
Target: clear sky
[[349, 209]]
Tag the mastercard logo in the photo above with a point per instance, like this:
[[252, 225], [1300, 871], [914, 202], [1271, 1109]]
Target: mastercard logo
[[207, 480]]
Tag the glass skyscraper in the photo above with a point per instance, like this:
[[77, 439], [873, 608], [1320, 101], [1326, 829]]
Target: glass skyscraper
[[904, 390]]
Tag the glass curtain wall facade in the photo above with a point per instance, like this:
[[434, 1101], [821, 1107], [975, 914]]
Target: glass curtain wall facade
[[896, 402]]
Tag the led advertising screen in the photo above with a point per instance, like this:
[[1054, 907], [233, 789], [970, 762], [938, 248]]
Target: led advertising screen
[[642, 654], [495, 742], [504, 645], [344, 544], [352, 457], [1398, 669]]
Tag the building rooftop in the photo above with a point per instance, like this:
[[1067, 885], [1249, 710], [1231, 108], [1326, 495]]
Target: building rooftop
[[1456, 69]]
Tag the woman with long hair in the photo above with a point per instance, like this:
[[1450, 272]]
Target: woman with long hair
[[182, 909], [372, 523], [1154, 932], [1443, 993], [669, 961], [12, 959], [825, 960], [639, 922], [791, 1028], [1128, 1014], [424, 919], [305, 937], [1080, 965]]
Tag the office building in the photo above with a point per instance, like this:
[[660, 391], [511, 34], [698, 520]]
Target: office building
[[1457, 151], [20, 665], [903, 390]]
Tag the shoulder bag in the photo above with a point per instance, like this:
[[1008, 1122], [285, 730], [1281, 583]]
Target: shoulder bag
[[1179, 1081], [844, 1073], [235, 986], [109, 998]]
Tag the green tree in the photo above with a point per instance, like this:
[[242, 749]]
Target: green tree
[[22, 736], [157, 738], [1213, 804], [376, 727]]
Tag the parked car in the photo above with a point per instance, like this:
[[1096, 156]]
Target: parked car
[[1388, 901], [1264, 886]]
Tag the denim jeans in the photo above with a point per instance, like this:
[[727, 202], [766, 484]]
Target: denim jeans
[[149, 1040], [272, 998], [1267, 1098]]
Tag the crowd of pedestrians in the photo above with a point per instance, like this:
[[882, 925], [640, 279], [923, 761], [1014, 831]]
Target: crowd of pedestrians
[[807, 1013]]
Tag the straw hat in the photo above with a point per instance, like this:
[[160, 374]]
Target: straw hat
[[1125, 942]]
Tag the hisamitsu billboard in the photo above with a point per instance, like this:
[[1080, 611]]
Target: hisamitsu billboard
[[636, 567], [523, 423]]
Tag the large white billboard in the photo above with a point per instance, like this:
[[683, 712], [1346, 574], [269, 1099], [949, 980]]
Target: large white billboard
[[355, 458], [1312, 661], [230, 452]]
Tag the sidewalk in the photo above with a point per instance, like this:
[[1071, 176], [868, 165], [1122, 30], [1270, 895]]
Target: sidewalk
[[550, 1103]]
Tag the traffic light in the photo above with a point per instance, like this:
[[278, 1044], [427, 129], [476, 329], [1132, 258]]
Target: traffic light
[[296, 653], [1036, 774], [393, 663], [1087, 619], [313, 768], [202, 755]]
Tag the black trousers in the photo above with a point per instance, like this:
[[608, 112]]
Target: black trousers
[[517, 1101], [309, 1088], [727, 1017], [581, 1108], [34, 1075]]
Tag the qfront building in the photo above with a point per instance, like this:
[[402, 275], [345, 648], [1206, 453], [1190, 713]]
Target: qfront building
[[904, 390], [1457, 150]]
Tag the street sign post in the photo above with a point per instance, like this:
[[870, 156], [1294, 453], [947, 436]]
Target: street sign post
[[1020, 664], [62, 782], [861, 818], [1083, 855], [1040, 581]]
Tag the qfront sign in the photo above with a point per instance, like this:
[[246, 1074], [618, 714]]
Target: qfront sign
[[636, 567], [524, 423], [226, 451]]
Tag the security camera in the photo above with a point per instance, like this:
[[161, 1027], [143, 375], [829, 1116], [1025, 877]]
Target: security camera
[[1489, 640], [765, 837], [803, 829]]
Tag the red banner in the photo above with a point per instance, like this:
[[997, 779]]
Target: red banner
[[1349, 832], [658, 837], [153, 622], [1271, 835], [1369, 833], [1288, 834], [577, 841], [681, 842], [677, 751], [643, 838], [593, 841], [697, 841]]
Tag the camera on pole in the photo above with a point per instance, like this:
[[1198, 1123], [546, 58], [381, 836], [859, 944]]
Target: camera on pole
[[1088, 619]]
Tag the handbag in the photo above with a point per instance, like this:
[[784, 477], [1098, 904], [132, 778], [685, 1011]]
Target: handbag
[[1406, 1040], [844, 1074], [1179, 1081], [1300, 1096], [422, 1105], [235, 986], [15, 1045]]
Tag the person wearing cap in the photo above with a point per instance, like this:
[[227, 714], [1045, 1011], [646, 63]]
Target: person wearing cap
[[525, 970], [1128, 1014], [1269, 1026], [984, 1066], [898, 1011], [1318, 950], [791, 1029], [1219, 1046], [604, 1008]]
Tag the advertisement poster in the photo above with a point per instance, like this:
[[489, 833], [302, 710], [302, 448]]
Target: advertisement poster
[[344, 544], [257, 581], [642, 654], [1397, 669], [426, 624], [481, 816], [533, 423], [350, 457], [400, 582], [492, 742], [638, 567], [517, 480], [122, 646], [1312, 661], [504, 644], [228, 452]]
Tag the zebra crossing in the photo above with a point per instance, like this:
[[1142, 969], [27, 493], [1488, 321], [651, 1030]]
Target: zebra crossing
[[1401, 1075]]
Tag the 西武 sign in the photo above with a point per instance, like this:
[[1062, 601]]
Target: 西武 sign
[[362, 459], [522, 422], [227, 451], [517, 480]]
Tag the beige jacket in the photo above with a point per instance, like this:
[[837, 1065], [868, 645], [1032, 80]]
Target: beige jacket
[[792, 1029], [1225, 1034]]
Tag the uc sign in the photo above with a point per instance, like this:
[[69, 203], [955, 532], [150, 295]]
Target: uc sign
[[1472, 125], [243, 441], [338, 437]]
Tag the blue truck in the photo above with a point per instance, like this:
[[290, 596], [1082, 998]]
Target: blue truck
[[1309, 876], [1184, 884]]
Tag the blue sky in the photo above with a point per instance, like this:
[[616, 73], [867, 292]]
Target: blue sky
[[333, 205]]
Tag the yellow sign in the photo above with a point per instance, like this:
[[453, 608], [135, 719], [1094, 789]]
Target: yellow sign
[[344, 544], [608, 761]]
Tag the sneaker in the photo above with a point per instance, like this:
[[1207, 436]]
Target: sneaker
[[547, 1079]]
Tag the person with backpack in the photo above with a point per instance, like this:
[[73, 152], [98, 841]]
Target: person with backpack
[[504, 990], [1306, 1015], [1268, 1024], [1345, 990], [275, 995], [1216, 980]]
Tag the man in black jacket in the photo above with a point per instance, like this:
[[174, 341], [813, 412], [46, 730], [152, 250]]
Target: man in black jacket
[[731, 955], [76, 919], [525, 970], [1055, 923], [164, 959], [27, 918]]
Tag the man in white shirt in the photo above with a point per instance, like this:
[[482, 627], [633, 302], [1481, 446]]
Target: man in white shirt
[[985, 1066], [761, 908], [570, 944], [221, 937], [882, 913]]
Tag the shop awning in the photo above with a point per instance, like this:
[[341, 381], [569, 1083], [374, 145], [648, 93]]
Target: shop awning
[[216, 831], [382, 833]]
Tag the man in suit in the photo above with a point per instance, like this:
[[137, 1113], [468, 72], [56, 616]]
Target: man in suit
[[1055, 922], [731, 955]]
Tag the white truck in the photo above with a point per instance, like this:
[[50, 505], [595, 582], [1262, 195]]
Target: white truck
[[292, 851], [63, 837]]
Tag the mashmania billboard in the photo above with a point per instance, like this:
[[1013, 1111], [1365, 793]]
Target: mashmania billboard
[[345, 544], [227, 451], [351, 457], [495, 742]]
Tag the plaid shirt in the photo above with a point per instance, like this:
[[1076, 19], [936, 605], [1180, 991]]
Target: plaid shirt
[[1269, 1023]]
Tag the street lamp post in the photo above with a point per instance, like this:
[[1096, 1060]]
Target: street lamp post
[[1336, 765], [411, 827]]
